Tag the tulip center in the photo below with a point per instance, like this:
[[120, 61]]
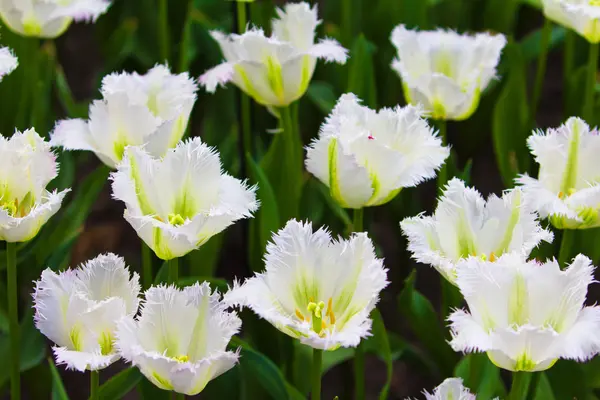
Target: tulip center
[[491, 258], [16, 208], [315, 316], [176, 219], [106, 343], [182, 358]]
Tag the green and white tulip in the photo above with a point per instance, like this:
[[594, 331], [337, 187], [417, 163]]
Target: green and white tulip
[[366, 157], [582, 16], [444, 71], [274, 71], [450, 389]]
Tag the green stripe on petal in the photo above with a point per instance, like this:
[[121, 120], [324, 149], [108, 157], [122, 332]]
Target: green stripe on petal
[[510, 228], [570, 174], [518, 306], [160, 381], [334, 181], [275, 77], [142, 196], [248, 87]]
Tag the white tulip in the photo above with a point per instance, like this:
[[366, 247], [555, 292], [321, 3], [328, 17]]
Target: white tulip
[[582, 16], [78, 310], [275, 70], [444, 71], [27, 165], [450, 389], [151, 110], [179, 341], [464, 225], [316, 289], [526, 315], [567, 190], [48, 18], [177, 203], [366, 157], [8, 62]]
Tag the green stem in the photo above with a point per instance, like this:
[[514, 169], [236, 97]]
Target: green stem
[[569, 53], [588, 105], [147, 273], [359, 372], [94, 385], [178, 396], [174, 271], [541, 69], [186, 37], [316, 374], [13, 313], [163, 30], [520, 386], [289, 208], [357, 224], [568, 239], [443, 172]]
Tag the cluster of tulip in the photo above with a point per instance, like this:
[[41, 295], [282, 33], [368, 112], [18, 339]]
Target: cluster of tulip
[[317, 289]]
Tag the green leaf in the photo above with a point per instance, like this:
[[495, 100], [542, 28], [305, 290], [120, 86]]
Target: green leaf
[[575, 91], [500, 15], [58, 389], [148, 391], [341, 213], [380, 345], [424, 322], [592, 372], [322, 94], [361, 79], [481, 376], [263, 369], [567, 380], [121, 384], [543, 391], [510, 121], [163, 273], [266, 220], [204, 261]]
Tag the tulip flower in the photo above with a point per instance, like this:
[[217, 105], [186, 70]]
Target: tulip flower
[[366, 157], [8, 62], [78, 310], [315, 289], [275, 70], [526, 315], [27, 165], [444, 71], [581, 16], [48, 18], [151, 110], [177, 203], [464, 225], [179, 341], [450, 389], [567, 190]]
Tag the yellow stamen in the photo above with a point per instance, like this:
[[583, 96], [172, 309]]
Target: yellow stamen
[[299, 315], [176, 219], [331, 317], [492, 257], [561, 195], [571, 191], [182, 358]]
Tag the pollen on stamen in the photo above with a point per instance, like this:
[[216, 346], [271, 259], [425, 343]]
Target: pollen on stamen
[[299, 315], [492, 257]]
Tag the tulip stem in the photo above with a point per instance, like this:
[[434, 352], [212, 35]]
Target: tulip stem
[[13, 311], [359, 372], [590, 85], [541, 69], [147, 266], [568, 238], [94, 385], [316, 374], [357, 224], [569, 52], [174, 271], [163, 30], [292, 166], [520, 386], [246, 127], [443, 172]]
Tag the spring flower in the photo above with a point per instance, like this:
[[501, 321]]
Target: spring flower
[[445, 71], [526, 315], [567, 190], [366, 157], [582, 16], [450, 389], [175, 204], [275, 70], [316, 289], [8, 62], [179, 341], [27, 165], [151, 110], [48, 18], [78, 310], [464, 224]]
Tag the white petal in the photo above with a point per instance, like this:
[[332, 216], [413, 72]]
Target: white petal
[[81, 361], [450, 389], [217, 76], [329, 50], [8, 62], [296, 23]]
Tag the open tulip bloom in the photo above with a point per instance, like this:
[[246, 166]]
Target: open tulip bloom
[[446, 71], [316, 289], [48, 18], [275, 70], [526, 315], [178, 202], [27, 165], [465, 225], [450, 389], [179, 341], [8, 62], [151, 110], [582, 16], [78, 310], [567, 190], [366, 157]]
